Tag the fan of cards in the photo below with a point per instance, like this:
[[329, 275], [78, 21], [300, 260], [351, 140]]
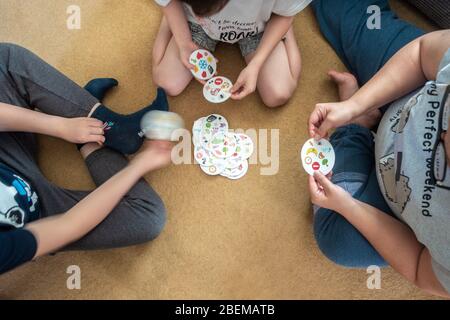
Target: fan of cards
[[216, 89], [218, 151]]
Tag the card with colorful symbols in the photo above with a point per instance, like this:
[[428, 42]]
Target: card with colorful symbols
[[318, 156], [218, 151], [205, 64], [217, 89]]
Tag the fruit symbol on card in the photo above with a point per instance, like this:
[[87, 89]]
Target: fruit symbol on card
[[318, 156], [205, 65], [217, 89]]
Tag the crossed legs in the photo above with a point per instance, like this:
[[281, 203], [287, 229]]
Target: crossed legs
[[277, 81]]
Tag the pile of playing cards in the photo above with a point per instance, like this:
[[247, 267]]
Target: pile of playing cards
[[218, 151], [318, 156], [216, 89]]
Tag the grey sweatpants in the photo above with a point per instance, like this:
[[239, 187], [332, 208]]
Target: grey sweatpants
[[29, 82]]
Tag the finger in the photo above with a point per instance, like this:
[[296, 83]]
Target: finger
[[237, 86], [323, 181], [97, 139], [188, 65], [241, 95], [96, 131], [313, 121], [313, 186], [95, 123], [324, 128]]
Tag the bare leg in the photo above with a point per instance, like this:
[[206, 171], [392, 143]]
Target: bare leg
[[88, 148], [279, 75], [169, 72], [347, 86]]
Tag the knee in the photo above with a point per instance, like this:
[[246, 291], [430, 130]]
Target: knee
[[8, 50], [342, 243], [327, 237], [276, 96], [173, 86], [152, 221]]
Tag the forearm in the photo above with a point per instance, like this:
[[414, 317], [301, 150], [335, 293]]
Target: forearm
[[401, 75], [276, 29], [394, 240], [176, 18], [18, 119], [396, 243], [57, 232]]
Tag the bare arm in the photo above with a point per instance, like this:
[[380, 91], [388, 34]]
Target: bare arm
[[406, 71], [174, 13], [76, 130], [176, 18], [17, 119], [276, 29], [394, 240], [58, 231], [397, 244]]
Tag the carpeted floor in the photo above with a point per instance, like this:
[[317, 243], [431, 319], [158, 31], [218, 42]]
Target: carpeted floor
[[246, 239]]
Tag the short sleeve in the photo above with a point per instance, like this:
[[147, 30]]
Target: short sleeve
[[443, 75], [442, 274], [289, 8], [16, 247], [163, 3]]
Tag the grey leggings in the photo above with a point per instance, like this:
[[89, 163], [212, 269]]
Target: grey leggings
[[29, 82]]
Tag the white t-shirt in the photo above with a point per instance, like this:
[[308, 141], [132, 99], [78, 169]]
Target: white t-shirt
[[242, 19]]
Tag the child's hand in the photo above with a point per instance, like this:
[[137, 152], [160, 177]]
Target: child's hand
[[246, 82], [81, 130], [326, 194], [154, 154], [185, 53]]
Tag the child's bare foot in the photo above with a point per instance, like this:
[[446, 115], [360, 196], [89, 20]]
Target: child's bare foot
[[346, 82]]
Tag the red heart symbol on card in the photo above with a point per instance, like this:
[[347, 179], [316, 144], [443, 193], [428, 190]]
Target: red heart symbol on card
[[199, 55], [204, 74]]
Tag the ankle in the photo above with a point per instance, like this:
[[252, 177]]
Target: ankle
[[88, 149], [93, 109]]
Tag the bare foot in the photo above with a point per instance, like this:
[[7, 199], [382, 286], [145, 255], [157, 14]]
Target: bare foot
[[346, 82]]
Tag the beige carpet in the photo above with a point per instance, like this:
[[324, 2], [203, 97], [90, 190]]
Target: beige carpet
[[257, 243]]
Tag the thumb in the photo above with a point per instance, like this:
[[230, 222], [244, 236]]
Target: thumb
[[324, 128], [323, 181], [188, 65], [236, 86]]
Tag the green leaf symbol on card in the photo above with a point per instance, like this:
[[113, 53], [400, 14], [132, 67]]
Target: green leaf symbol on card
[[208, 125], [216, 141], [325, 162]]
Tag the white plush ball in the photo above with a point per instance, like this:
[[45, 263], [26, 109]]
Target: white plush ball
[[160, 125]]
